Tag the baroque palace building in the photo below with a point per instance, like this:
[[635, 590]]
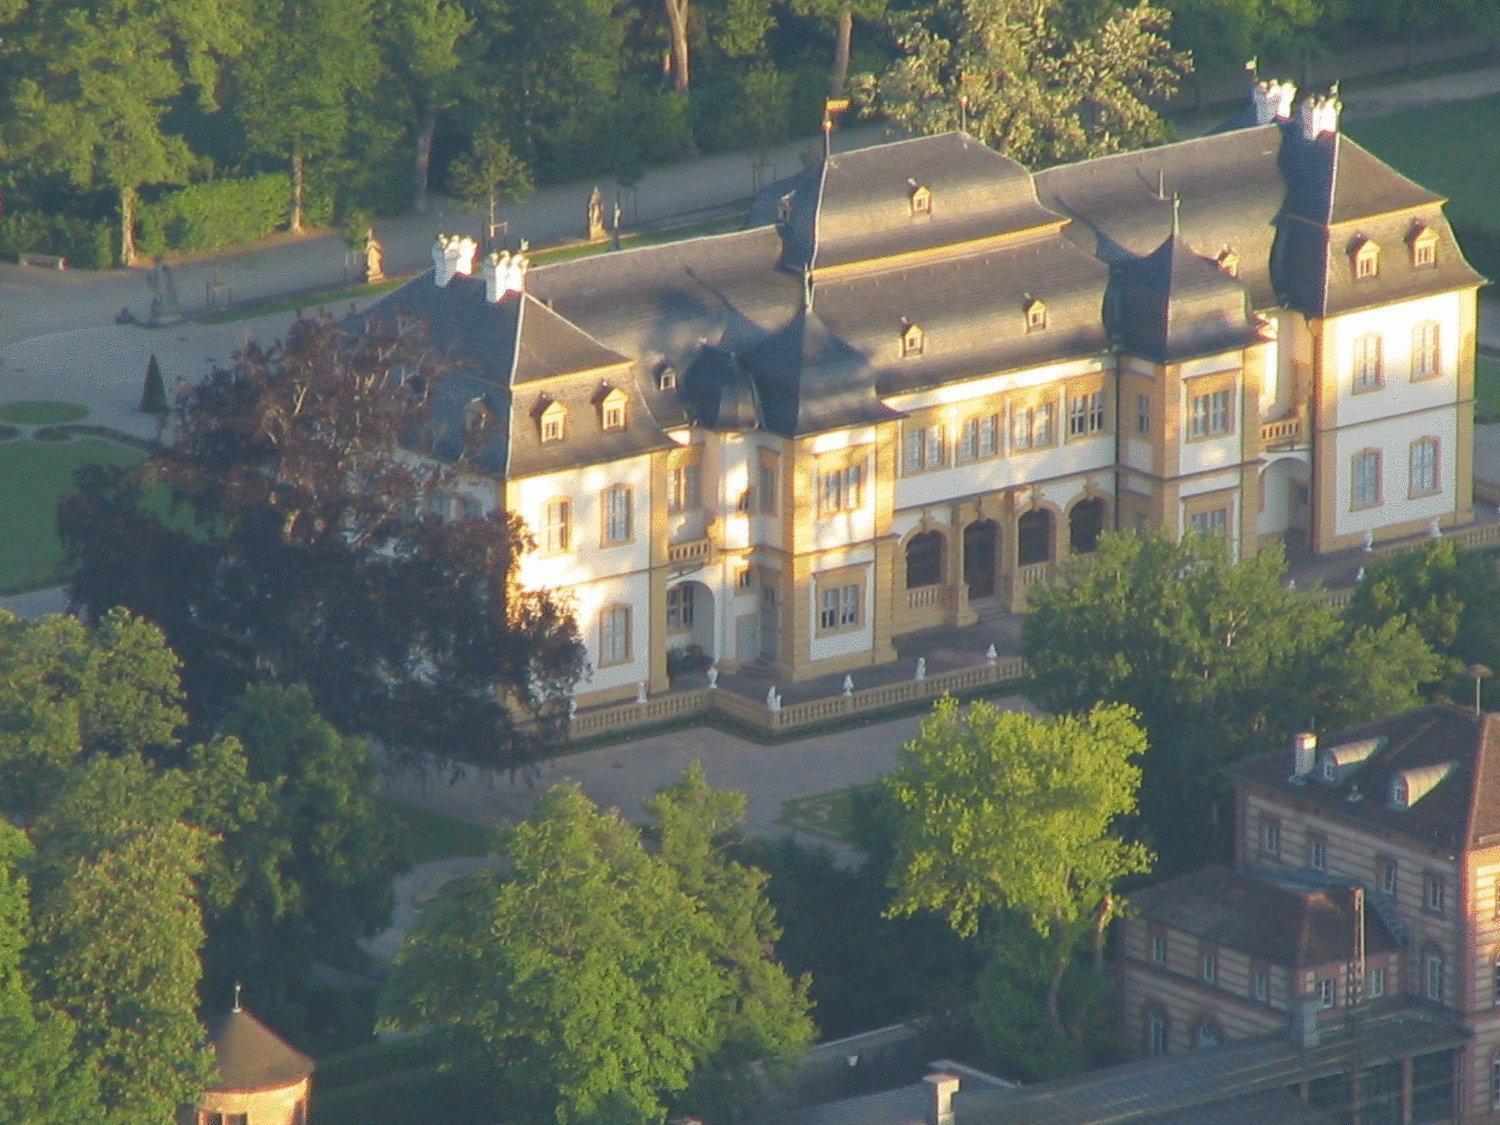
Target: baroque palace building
[[923, 376]]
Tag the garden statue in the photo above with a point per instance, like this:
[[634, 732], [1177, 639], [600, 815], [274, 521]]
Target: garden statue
[[374, 258], [597, 233]]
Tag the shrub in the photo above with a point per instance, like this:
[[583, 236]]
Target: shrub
[[154, 395], [217, 213], [86, 243]]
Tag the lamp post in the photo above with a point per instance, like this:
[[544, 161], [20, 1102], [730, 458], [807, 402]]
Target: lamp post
[[1477, 673]]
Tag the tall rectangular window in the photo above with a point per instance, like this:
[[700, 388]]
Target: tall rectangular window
[[1434, 894], [614, 635], [1326, 993], [1020, 427], [1388, 875], [1085, 414], [1368, 374], [1156, 1033], [683, 493], [926, 448], [1211, 414], [838, 607], [1210, 966], [617, 516], [770, 481], [1260, 985], [1424, 466], [1317, 853], [1375, 983], [1364, 485], [1426, 358], [1215, 521], [1433, 976], [1142, 414], [980, 438], [1159, 947], [840, 489], [1270, 837], [680, 608], [557, 534]]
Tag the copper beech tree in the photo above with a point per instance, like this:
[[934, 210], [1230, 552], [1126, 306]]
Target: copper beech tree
[[294, 524]]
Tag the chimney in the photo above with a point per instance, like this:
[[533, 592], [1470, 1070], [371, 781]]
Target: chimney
[[940, 1107], [504, 273], [1273, 100], [1304, 753], [1319, 115], [1305, 1021], [452, 254]]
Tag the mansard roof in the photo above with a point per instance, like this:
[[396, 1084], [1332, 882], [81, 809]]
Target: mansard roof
[[1264, 917], [1176, 304], [1461, 810]]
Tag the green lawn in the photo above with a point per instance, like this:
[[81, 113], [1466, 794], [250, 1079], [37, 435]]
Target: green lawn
[[33, 477], [1450, 149], [1487, 388], [824, 814], [41, 413], [424, 836]]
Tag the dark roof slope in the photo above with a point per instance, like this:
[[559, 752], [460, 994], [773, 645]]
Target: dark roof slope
[[550, 345], [250, 1056], [1277, 921], [1231, 191], [719, 393], [864, 200], [1332, 179], [1175, 303], [809, 380], [1457, 811]]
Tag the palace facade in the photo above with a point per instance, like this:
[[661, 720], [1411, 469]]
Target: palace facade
[[923, 376]]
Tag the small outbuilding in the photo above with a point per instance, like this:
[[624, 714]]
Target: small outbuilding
[[259, 1079]]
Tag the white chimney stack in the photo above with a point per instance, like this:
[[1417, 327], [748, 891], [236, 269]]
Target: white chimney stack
[[452, 254], [504, 273], [1304, 753], [1273, 100], [1319, 115], [942, 1087]]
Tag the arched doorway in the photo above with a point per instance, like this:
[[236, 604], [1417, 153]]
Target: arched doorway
[[690, 628], [981, 551], [1085, 522], [924, 560], [1034, 537]]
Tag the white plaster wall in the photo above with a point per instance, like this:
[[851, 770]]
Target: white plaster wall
[[587, 600], [841, 644], [588, 559], [858, 524], [1213, 482], [1395, 323], [1393, 437], [1210, 453], [1083, 455], [1138, 455], [956, 393], [1277, 481]]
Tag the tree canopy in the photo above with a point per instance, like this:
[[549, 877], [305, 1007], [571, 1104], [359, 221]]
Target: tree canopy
[[322, 552], [1217, 657]]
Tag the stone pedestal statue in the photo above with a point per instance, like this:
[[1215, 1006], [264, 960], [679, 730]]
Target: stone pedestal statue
[[374, 258], [597, 233]]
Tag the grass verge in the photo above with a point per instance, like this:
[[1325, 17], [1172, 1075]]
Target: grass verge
[[42, 412], [300, 301], [824, 814], [423, 836], [33, 477]]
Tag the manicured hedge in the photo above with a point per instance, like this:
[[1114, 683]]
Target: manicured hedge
[[225, 212], [86, 243]]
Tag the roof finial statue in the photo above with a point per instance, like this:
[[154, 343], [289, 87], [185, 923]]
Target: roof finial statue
[[1176, 214], [237, 986]]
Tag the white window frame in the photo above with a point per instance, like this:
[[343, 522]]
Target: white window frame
[[1375, 983], [615, 629], [1433, 971], [1327, 992], [1364, 479], [618, 516], [1425, 467], [1426, 350], [1211, 414], [557, 525], [1369, 362], [680, 608]]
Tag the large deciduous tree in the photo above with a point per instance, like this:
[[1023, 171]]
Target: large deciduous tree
[[321, 549], [841, 13], [1035, 88], [1001, 811], [423, 47], [583, 968], [93, 85], [1217, 657], [307, 62]]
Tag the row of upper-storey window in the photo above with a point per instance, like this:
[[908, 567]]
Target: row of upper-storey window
[[1422, 244], [1369, 357], [1434, 886], [1017, 428]]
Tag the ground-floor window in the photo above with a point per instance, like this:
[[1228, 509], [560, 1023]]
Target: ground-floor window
[[680, 608], [1156, 1032], [924, 560]]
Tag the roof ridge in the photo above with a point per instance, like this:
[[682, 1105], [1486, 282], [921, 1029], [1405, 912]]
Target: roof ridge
[[1183, 143], [611, 255], [584, 332]]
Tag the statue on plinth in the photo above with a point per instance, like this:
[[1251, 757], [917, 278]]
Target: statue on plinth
[[374, 258], [597, 233]]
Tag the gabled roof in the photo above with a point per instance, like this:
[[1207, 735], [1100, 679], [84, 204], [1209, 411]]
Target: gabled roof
[[549, 345], [1175, 304], [1270, 919], [250, 1056], [1461, 810]]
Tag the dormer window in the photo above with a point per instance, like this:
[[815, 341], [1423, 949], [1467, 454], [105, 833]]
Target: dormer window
[[612, 410], [1424, 248], [784, 208], [666, 378], [554, 423], [1229, 262], [1036, 314], [913, 341], [921, 200], [1366, 259]]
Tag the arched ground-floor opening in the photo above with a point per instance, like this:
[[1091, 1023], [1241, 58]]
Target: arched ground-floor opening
[[1034, 537], [690, 628], [1085, 524], [981, 558]]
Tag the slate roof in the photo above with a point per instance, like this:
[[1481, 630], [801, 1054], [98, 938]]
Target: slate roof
[[250, 1056], [1461, 810], [1273, 920], [1195, 1085], [1175, 303], [719, 393], [810, 380]]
